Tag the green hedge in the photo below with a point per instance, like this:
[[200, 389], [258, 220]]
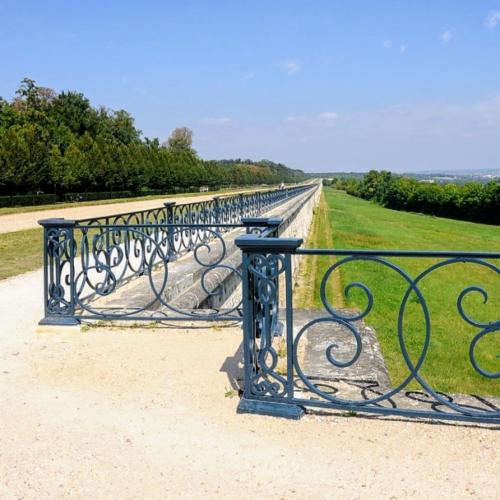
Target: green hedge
[[23, 200], [94, 195], [471, 201]]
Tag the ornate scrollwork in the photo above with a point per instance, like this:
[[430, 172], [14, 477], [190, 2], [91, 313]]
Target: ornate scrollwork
[[265, 271], [348, 322], [111, 259], [91, 259], [59, 247], [486, 329]]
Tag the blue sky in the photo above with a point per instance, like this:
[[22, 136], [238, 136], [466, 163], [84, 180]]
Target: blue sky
[[318, 85]]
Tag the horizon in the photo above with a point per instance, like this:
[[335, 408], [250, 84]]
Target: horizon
[[334, 88], [458, 172]]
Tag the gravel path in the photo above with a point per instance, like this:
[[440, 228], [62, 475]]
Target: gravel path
[[130, 413], [29, 220]]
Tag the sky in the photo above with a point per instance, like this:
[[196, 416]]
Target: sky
[[318, 85]]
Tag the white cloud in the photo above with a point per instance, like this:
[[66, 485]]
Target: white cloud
[[387, 44], [446, 36], [216, 121], [402, 49], [493, 19], [481, 118], [328, 116], [295, 119], [290, 66], [325, 118], [247, 77], [403, 138]]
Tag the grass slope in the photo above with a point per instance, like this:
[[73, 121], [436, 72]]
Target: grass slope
[[20, 252], [343, 221]]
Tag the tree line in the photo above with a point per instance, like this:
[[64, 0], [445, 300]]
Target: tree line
[[58, 143], [471, 201]]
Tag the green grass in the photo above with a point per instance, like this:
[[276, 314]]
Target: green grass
[[20, 252], [350, 222], [320, 236]]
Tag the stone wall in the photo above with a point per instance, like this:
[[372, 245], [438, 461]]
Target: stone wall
[[300, 225], [297, 218]]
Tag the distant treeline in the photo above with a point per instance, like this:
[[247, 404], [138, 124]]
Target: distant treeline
[[58, 143], [472, 201]]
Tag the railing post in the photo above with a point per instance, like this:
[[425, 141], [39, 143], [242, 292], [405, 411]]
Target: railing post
[[217, 211], [242, 205], [265, 391], [169, 206], [270, 223], [259, 202], [274, 223], [251, 223], [59, 250]]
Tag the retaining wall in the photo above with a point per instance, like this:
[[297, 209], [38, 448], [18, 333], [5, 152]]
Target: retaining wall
[[297, 218]]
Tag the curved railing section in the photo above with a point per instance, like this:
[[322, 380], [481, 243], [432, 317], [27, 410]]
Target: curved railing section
[[284, 375], [87, 261]]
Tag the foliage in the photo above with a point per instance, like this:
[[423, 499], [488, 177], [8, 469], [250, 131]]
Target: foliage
[[22, 200], [59, 143], [181, 139], [471, 201]]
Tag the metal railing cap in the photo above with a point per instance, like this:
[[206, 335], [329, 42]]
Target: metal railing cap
[[57, 222], [253, 243], [275, 221], [255, 221], [261, 221]]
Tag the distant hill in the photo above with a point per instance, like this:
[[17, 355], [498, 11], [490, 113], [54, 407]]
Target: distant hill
[[439, 177]]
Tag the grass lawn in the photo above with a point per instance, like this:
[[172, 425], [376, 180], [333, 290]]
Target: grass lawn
[[20, 252], [343, 221]]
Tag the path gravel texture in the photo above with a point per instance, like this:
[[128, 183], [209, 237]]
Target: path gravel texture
[[29, 220], [143, 413]]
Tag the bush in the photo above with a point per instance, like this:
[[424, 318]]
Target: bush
[[473, 201], [94, 196], [24, 200]]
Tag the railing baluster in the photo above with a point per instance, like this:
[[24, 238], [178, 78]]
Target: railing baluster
[[289, 325], [169, 207], [265, 390], [59, 272]]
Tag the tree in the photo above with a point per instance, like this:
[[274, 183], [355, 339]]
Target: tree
[[59, 143], [73, 110], [32, 95], [181, 139]]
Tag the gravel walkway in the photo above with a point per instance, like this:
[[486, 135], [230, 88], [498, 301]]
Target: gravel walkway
[[130, 413], [29, 220]]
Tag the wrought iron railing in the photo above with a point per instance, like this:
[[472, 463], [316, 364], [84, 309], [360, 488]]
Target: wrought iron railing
[[328, 358], [325, 358], [87, 261]]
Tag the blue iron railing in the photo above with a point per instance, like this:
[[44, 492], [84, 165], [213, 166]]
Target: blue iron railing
[[87, 261], [282, 374]]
